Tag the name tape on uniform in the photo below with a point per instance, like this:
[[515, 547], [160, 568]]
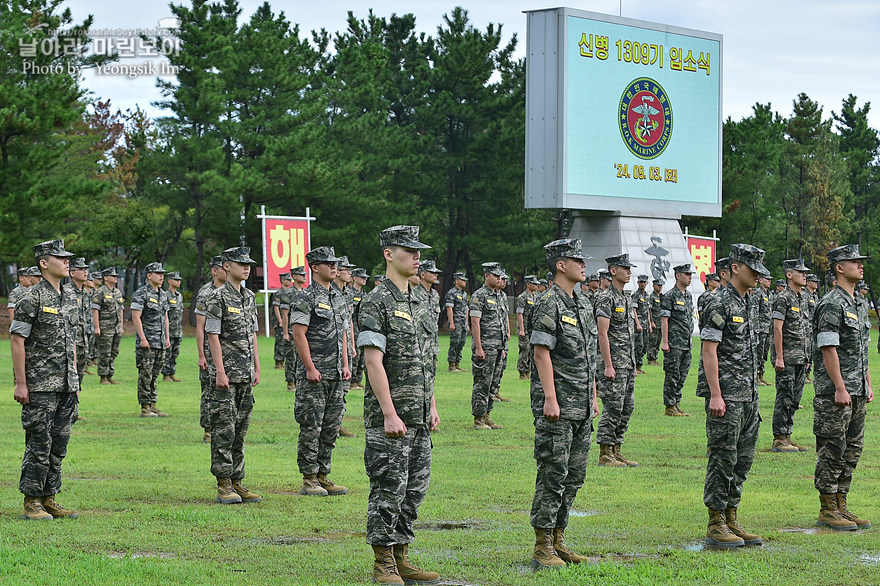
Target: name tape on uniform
[[402, 314], [569, 320], [233, 310]]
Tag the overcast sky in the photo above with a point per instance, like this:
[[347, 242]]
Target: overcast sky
[[773, 49]]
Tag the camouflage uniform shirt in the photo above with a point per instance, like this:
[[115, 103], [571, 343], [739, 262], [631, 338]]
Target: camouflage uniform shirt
[[232, 315], [487, 305], [764, 308], [655, 300], [525, 304], [15, 295], [79, 298], [678, 306], [109, 303], [838, 323], [201, 306], [281, 299], [458, 300], [641, 305], [324, 312], [152, 304], [175, 313], [617, 307], [432, 319], [791, 308], [703, 300]]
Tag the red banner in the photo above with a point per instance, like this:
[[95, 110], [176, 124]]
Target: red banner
[[703, 254], [287, 242]]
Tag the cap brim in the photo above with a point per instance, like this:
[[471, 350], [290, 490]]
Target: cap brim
[[64, 254], [414, 244]]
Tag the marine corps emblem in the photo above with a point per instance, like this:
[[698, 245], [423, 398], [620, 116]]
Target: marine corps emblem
[[645, 118]]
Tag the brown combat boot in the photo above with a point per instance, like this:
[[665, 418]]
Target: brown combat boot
[[225, 494], [491, 424], [291, 386], [156, 411], [798, 446], [166, 378], [498, 397], [357, 386], [452, 367], [409, 572], [34, 511], [780, 444], [331, 488], [733, 525], [480, 424], [653, 363], [113, 382], [279, 366], [640, 371], [829, 515], [56, 510], [622, 458], [174, 379], [680, 412], [762, 382], [385, 567], [311, 486], [344, 432], [458, 367], [718, 533], [844, 512], [523, 376], [105, 380], [545, 555], [206, 439], [89, 371], [671, 412], [565, 554], [146, 411], [607, 457], [246, 495]]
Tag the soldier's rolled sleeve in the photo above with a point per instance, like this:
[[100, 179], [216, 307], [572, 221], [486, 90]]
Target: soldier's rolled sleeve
[[520, 309], [11, 305], [25, 314], [824, 339], [543, 339], [301, 318], [284, 305], [450, 304], [708, 334], [213, 326], [665, 313], [137, 306], [96, 306], [21, 328], [828, 326], [213, 313], [374, 339], [777, 315]]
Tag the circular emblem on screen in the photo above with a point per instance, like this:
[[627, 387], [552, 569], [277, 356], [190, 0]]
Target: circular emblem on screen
[[645, 118]]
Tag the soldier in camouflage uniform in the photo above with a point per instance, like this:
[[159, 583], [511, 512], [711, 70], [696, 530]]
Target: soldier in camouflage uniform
[[24, 281], [677, 329], [149, 313], [342, 282], [429, 274], [206, 363], [812, 297], [501, 291], [525, 303], [593, 287], [489, 343], [107, 306], [456, 302], [780, 285], [399, 408], [291, 361], [358, 280], [96, 280], [231, 325], [542, 285], [563, 398], [43, 339], [655, 299], [75, 290], [280, 314], [320, 332], [764, 307], [616, 375], [712, 283], [728, 380], [643, 330], [722, 267], [843, 389], [174, 299]]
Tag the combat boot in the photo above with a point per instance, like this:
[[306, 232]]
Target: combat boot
[[311, 487], [59, 512], [174, 379], [166, 378], [331, 488], [357, 386], [156, 411], [798, 446], [385, 567], [762, 382], [640, 371], [829, 515], [206, 439], [34, 511], [246, 495], [491, 424], [680, 412], [458, 367], [112, 382], [653, 363], [733, 525], [565, 554], [105, 380], [844, 512], [344, 432], [146, 411], [671, 412], [225, 494], [479, 424], [291, 386], [523, 376], [89, 371], [452, 367], [279, 366], [409, 572], [498, 397], [607, 458], [545, 555], [781, 445], [718, 533], [622, 458]]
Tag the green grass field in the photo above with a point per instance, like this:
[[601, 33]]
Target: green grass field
[[147, 515]]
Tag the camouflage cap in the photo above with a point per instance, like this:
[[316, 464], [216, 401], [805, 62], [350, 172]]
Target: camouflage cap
[[34, 272], [604, 274], [781, 283], [549, 276], [362, 273], [722, 264], [685, 268], [22, 271], [813, 278], [460, 276], [406, 236], [343, 262], [566, 248], [531, 280], [174, 275], [285, 277], [217, 261], [301, 271], [51, 248], [712, 277], [154, 267], [593, 277], [861, 285], [94, 275], [795, 264], [847, 252], [643, 279], [239, 254], [751, 256], [378, 277], [543, 282], [322, 254], [79, 263], [109, 272], [619, 260], [493, 267], [660, 282], [504, 275], [429, 266]]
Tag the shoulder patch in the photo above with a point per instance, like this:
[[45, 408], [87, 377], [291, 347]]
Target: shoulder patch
[[369, 322], [718, 320], [547, 321], [303, 307]]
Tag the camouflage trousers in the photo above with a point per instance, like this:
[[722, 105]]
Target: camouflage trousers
[[171, 353], [82, 362], [764, 339], [524, 361], [206, 379], [676, 364], [281, 345], [486, 371], [789, 390], [46, 421], [291, 362], [399, 469], [457, 339], [618, 402], [149, 363], [731, 442], [357, 372], [108, 350], [840, 436], [561, 450], [499, 372], [318, 408], [93, 351], [654, 339], [641, 345], [229, 415]]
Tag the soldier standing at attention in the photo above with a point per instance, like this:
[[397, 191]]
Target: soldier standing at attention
[[643, 309], [231, 325], [291, 360], [501, 291], [843, 389], [342, 282], [320, 334], [457, 301], [429, 274], [206, 363], [43, 342], [175, 327], [616, 321], [542, 285], [280, 314], [563, 397], [677, 328], [764, 304], [780, 285], [24, 281], [722, 267], [75, 290], [377, 279], [107, 309], [358, 280], [655, 299], [728, 381], [790, 331], [149, 312], [593, 285], [488, 345], [525, 303], [604, 280], [399, 409], [712, 283], [812, 297], [96, 280]]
